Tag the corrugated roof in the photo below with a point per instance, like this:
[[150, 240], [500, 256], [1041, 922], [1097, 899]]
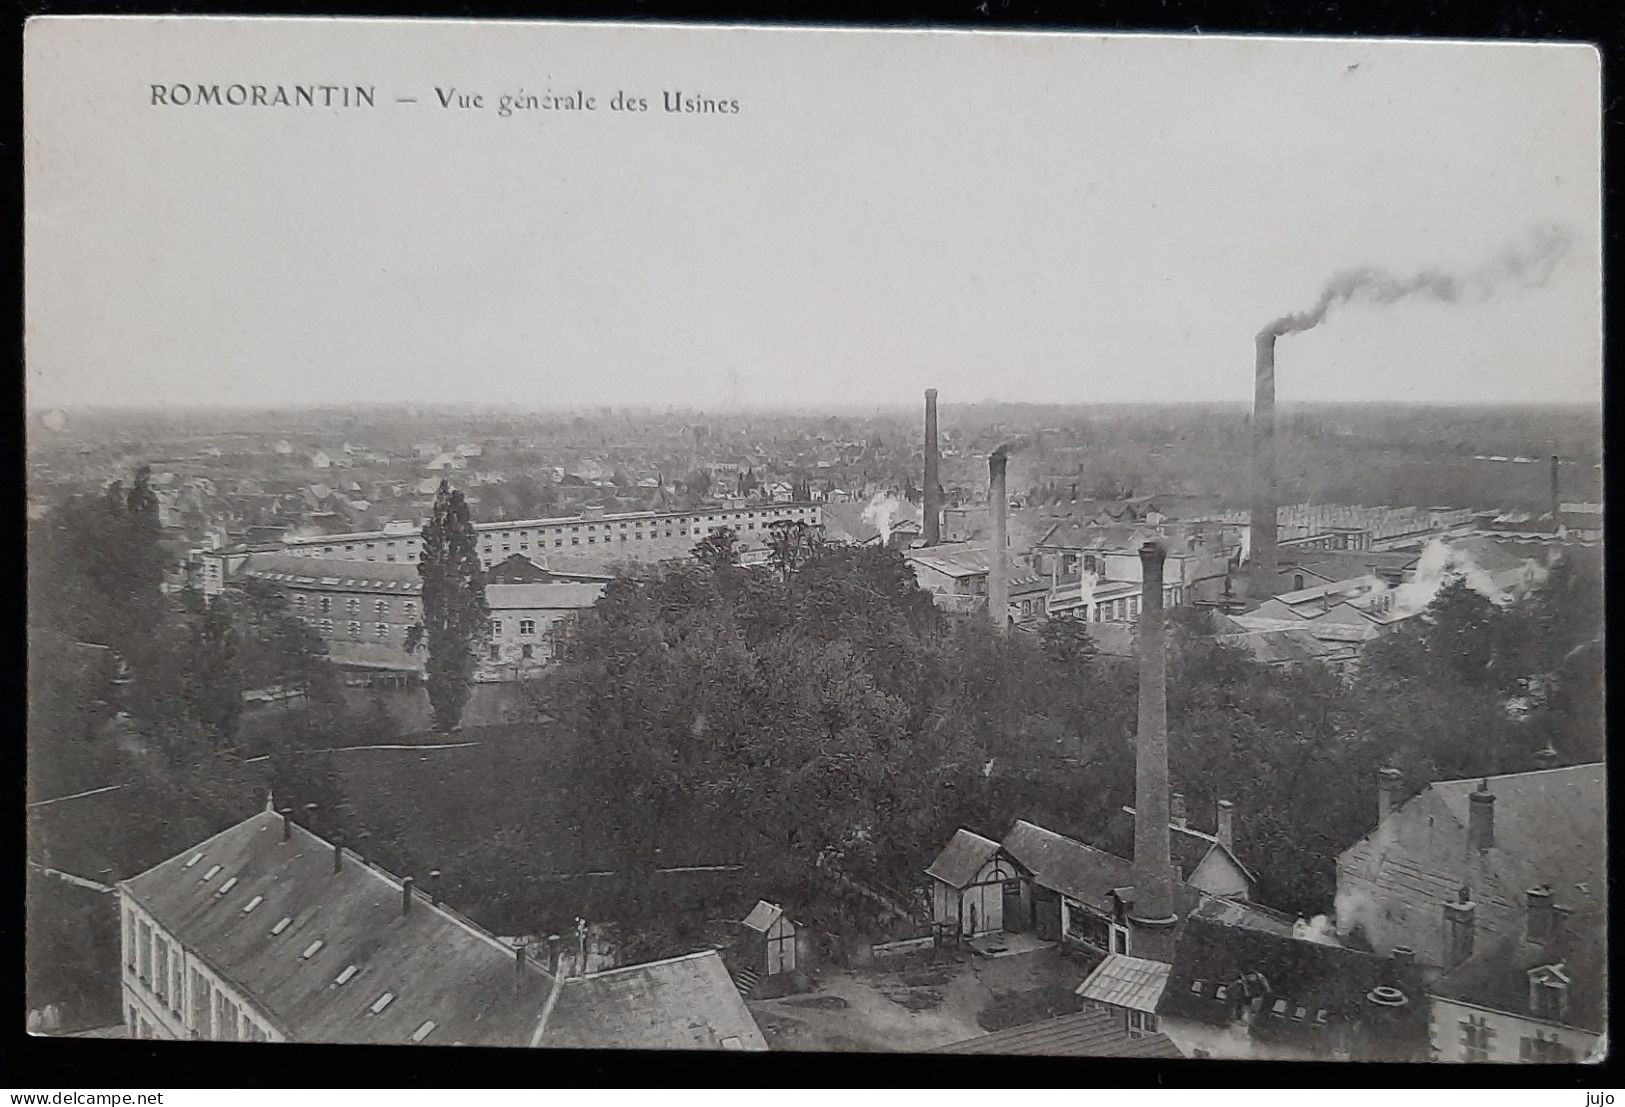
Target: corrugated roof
[[963, 857], [1093, 1033], [1124, 981], [683, 1003]]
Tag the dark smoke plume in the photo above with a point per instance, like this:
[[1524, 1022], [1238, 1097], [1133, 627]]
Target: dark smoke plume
[[1528, 264]]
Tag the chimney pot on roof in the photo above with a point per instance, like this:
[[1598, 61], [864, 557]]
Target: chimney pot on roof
[[1389, 782], [1481, 817], [434, 886], [1538, 915], [287, 820], [1405, 955], [555, 950], [310, 816], [1458, 932], [406, 896], [1176, 810], [518, 963], [1226, 831], [338, 854]]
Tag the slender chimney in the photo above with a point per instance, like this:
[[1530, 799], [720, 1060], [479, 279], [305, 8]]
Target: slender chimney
[[1458, 931], [287, 821], [1557, 504], [1405, 955], [1263, 527], [518, 964], [434, 886], [1176, 810], [998, 579], [1153, 913], [1389, 782], [555, 950], [406, 896], [310, 817], [338, 854], [1226, 832], [1538, 921], [1481, 817], [932, 509]]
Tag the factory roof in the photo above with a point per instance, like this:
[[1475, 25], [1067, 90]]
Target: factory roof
[[1092, 1033], [1548, 826], [1298, 990], [344, 954], [687, 1002], [952, 559], [1067, 866], [330, 956], [964, 856], [394, 577], [548, 595], [1497, 976]]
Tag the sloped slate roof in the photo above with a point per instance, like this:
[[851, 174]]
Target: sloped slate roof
[[1083, 872], [559, 595], [1187, 846], [1293, 980], [1550, 828], [963, 857], [1124, 981], [438, 966], [1093, 1033], [333, 574], [683, 1003], [1497, 976]]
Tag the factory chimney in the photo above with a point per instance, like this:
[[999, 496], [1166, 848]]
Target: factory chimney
[[932, 508], [1557, 505], [1152, 915], [1263, 530], [998, 579]]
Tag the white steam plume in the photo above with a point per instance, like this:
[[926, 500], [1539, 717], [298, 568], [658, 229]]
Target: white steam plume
[[1438, 565], [881, 512]]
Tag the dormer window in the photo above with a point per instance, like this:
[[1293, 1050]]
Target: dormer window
[[1548, 993]]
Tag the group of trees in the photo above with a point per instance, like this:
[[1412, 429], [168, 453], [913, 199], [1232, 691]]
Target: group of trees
[[823, 708]]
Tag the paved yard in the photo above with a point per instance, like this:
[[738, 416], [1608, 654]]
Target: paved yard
[[919, 1005]]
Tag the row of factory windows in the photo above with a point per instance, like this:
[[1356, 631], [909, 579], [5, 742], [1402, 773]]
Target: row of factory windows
[[681, 523], [160, 969], [352, 605]]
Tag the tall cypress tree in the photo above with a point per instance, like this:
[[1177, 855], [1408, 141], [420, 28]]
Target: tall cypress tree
[[455, 616]]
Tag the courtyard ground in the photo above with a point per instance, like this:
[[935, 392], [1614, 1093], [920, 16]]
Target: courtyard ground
[[915, 1004]]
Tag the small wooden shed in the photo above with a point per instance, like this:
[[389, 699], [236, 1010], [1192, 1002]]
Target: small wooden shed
[[769, 939]]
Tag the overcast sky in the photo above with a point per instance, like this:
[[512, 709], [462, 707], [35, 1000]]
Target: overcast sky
[[1043, 218]]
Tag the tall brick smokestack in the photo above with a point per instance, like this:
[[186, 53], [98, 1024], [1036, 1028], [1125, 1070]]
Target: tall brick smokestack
[[933, 508], [1263, 536], [1557, 504], [1152, 915], [998, 572]]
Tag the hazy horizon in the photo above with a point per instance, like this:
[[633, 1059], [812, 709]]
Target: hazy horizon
[[1063, 218]]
